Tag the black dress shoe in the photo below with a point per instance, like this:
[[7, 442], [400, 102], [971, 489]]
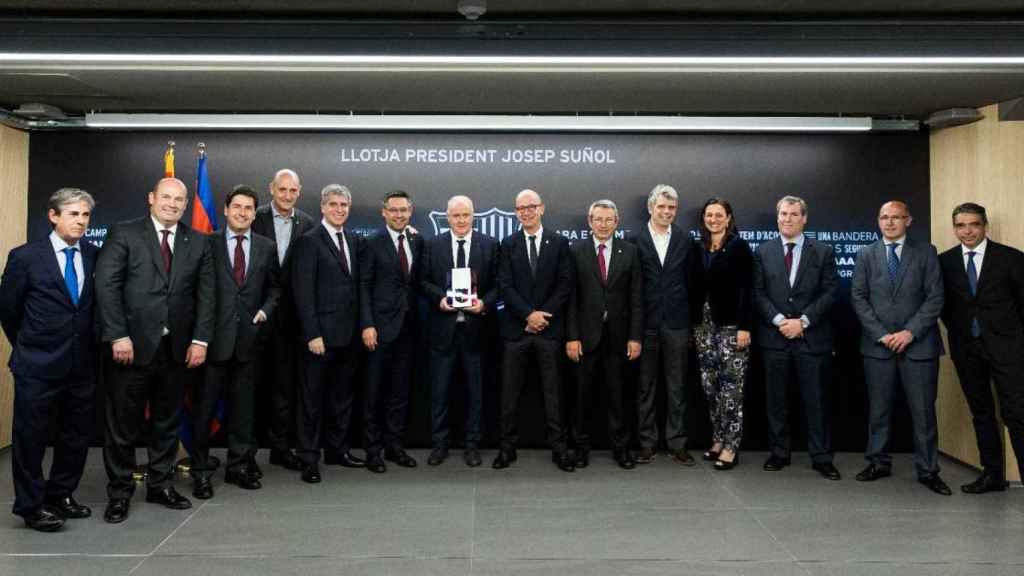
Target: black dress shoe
[[710, 455], [286, 459], [504, 459], [775, 463], [117, 510], [646, 455], [400, 457], [935, 484], [254, 468], [69, 508], [243, 478], [582, 458], [566, 461], [438, 456], [723, 465], [873, 472], [472, 457], [987, 482], [202, 488], [169, 498], [683, 458], [311, 474], [346, 459], [624, 459], [375, 464], [45, 519], [827, 470]]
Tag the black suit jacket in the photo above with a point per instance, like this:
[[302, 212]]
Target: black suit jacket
[[387, 297], [523, 292], [726, 284], [264, 226], [326, 296], [234, 333], [435, 277], [50, 336], [812, 294], [137, 298], [666, 295], [621, 297], [998, 305]]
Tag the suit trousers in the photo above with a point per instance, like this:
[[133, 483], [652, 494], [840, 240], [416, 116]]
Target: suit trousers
[[280, 372], [35, 399], [605, 365], [325, 399], [387, 392], [545, 354], [919, 379], [978, 369], [161, 384], [237, 379], [664, 356], [811, 372], [442, 370]]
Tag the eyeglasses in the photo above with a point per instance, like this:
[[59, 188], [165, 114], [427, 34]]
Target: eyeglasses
[[528, 208]]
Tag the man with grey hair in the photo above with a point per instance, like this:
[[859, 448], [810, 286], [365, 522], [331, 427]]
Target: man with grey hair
[[665, 252], [48, 320], [325, 287], [604, 329], [284, 223], [795, 284]]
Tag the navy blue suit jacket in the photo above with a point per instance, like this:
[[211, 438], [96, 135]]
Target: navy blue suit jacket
[[387, 298], [326, 296], [523, 292], [51, 337]]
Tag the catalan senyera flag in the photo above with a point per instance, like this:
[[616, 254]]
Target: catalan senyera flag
[[169, 161], [204, 214]]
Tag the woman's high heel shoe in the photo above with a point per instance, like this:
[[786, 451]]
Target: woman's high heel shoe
[[723, 465], [711, 455]]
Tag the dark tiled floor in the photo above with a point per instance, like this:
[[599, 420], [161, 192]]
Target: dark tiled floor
[[535, 520]]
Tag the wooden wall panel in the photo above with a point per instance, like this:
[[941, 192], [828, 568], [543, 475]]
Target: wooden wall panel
[[984, 163], [13, 218]]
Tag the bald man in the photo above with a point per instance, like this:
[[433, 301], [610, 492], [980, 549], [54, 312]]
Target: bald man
[[897, 295], [156, 295]]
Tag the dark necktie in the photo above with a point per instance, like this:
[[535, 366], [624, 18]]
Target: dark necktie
[[341, 252], [460, 261], [403, 258], [972, 282], [789, 259], [894, 262], [239, 266], [165, 250], [533, 255], [602, 264], [70, 274]]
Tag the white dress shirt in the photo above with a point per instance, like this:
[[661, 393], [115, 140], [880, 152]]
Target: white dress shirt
[[661, 241], [59, 245]]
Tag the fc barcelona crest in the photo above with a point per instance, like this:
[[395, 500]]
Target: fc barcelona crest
[[495, 223]]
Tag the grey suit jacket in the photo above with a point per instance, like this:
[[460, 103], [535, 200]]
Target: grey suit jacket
[[913, 303]]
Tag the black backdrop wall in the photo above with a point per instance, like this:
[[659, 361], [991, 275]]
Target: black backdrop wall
[[844, 178]]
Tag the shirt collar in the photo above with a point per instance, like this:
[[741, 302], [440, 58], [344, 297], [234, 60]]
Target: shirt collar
[[280, 215], [979, 249], [468, 237], [230, 234], [538, 234], [799, 241], [902, 241], [59, 244], [656, 234], [159, 226], [394, 234], [607, 243], [332, 229]]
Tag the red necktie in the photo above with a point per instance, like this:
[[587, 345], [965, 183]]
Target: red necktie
[[239, 266], [789, 258], [165, 250], [341, 252], [403, 259], [602, 265]]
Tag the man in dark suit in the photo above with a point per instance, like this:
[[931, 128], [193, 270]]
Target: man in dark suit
[[534, 280], [156, 296], [246, 271], [325, 285], [897, 295], [458, 333], [795, 285], [604, 328], [984, 316], [46, 308], [284, 223], [387, 316], [664, 252]]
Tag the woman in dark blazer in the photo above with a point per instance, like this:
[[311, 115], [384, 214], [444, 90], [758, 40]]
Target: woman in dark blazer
[[723, 290]]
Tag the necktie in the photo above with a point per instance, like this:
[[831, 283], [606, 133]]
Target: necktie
[[533, 255], [165, 250], [239, 266], [789, 258], [602, 264], [341, 252], [894, 262], [972, 282], [70, 274], [403, 258], [460, 261]]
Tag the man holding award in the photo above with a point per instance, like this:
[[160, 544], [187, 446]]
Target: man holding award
[[458, 276]]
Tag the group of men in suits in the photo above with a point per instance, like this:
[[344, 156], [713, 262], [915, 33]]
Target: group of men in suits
[[275, 292]]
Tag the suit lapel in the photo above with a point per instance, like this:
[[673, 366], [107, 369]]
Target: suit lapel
[[152, 241], [88, 267], [220, 242], [907, 257], [182, 247], [675, 244], [806, 254], [46, 254], [615, 263]]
